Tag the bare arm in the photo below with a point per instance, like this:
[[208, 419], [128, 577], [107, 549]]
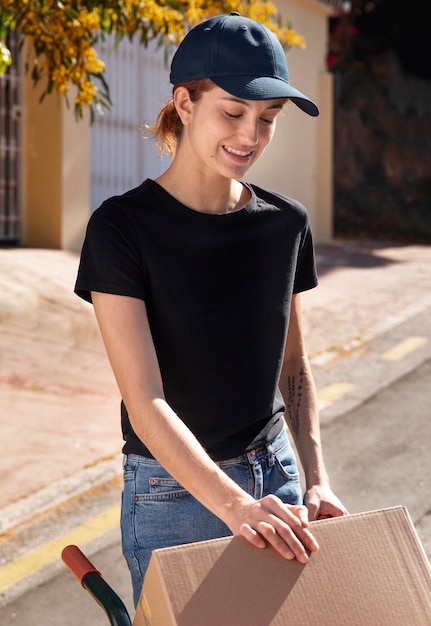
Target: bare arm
[[125, 330], [302, 417]]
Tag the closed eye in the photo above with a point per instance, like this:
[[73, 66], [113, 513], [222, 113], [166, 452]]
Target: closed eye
[[231, 116], [267, 122], [264, 120]]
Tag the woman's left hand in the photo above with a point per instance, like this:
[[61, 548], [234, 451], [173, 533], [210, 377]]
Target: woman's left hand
[[322, 503]]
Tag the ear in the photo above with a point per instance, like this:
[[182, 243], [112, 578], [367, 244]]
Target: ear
[[183, 104]]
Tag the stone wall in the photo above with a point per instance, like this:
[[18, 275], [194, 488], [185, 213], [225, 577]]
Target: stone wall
[[382, 177]]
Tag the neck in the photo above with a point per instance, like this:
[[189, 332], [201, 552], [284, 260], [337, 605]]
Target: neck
[[217, 197]]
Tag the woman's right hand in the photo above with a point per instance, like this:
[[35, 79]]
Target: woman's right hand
[[270, 521]]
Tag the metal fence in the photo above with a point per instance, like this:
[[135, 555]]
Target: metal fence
[[121, 156], [11, 147]]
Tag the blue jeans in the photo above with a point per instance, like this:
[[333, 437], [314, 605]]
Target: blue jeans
[[157, 512]]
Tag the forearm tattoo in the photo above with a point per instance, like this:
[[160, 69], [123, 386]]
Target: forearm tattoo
[[294, 399]]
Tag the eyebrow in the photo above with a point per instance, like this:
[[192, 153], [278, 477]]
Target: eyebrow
[[276, 105]]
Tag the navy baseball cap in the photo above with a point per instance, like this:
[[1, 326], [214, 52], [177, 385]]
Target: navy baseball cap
[[239, 55]]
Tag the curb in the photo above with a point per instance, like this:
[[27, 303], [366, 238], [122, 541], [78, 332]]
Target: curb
[[373, 333], [59, 492]]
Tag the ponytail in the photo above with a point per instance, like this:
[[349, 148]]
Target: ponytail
[[168, 128]]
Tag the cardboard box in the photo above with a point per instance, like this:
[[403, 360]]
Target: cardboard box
[[371, 570]]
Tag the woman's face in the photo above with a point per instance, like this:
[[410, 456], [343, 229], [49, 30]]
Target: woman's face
[[224, 134]]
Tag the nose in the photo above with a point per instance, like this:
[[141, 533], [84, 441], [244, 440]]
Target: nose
[[249, 131]]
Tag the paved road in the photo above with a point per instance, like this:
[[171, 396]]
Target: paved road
[[376, 438], [379, 454]]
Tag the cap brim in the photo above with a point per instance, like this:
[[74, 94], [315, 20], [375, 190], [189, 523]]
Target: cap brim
[[264, 88]]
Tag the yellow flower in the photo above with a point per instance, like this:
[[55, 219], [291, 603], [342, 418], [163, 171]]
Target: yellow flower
[[294, 39], [60, 79], [89, 20], [86, 93], [92, 63]]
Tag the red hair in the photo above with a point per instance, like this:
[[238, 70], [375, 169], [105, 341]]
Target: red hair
[[168, 127]]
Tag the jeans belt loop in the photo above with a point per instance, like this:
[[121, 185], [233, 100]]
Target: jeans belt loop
[[271, 456], [256, 450], [251, 455]]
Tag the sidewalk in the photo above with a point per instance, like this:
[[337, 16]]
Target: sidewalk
[[59, 418]]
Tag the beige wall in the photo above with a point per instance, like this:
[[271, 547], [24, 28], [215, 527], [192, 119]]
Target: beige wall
[[298, 163], [56, 173]]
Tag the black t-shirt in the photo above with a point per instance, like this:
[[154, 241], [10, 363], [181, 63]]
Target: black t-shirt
[[217, 290]]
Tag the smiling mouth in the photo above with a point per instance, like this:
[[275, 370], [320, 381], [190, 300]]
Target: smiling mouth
[[238, 153]]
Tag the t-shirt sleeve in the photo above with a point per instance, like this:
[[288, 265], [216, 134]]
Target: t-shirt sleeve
[[111, 261], [306, 272]]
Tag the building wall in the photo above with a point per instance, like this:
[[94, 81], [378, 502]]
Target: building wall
[[298, 163], [57, 174], [56, 166]]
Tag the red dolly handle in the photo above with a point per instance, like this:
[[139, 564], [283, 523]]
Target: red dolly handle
[[91, 579], [78, 563]]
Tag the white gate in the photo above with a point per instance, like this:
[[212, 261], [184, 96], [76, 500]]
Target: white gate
[[121, 158], [11, 152]]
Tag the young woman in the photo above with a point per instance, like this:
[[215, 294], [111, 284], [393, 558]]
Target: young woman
[[195, 280]]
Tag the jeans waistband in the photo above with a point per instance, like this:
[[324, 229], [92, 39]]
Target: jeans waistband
[[267, 450]]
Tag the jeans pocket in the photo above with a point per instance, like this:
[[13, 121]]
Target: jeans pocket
[[285, 463], [160, 488]]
